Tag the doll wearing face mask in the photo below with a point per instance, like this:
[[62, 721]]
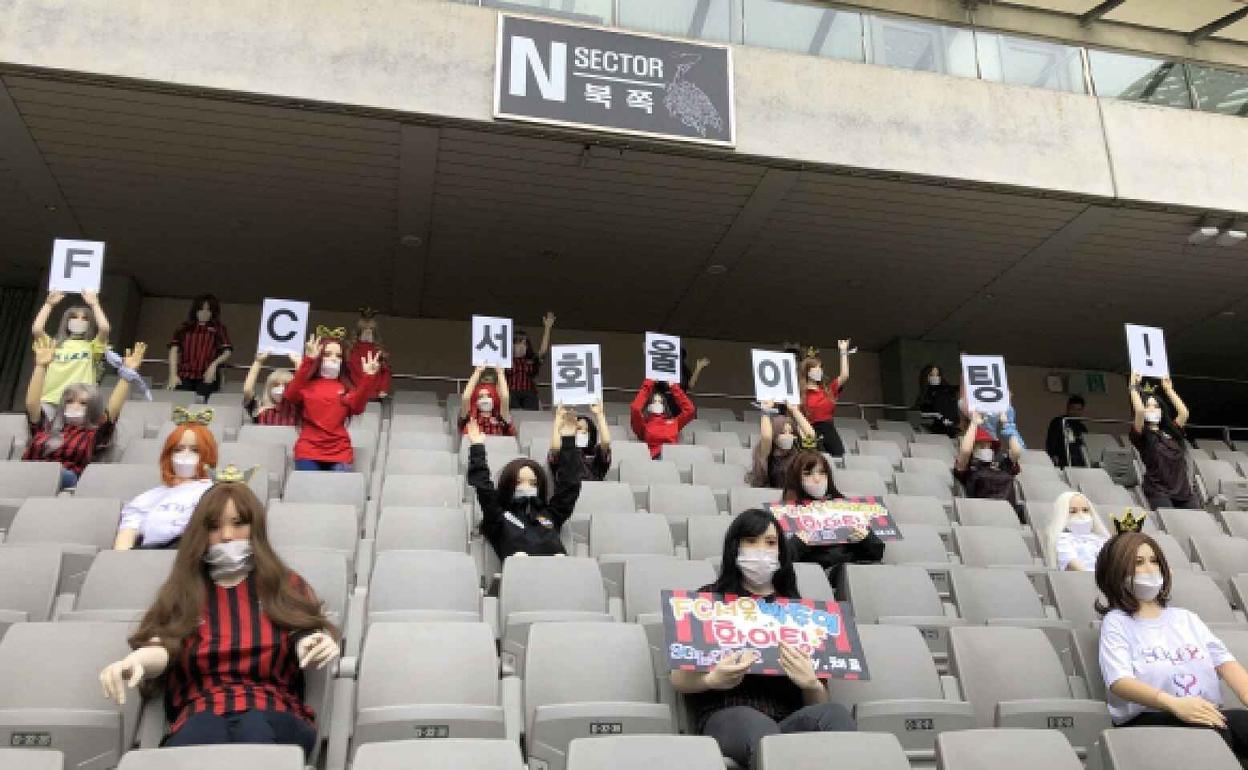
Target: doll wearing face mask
[[779, 439], [1075, 534], [650, 420], [366, 341], [985, 464], [270, 406], [326, 400], [487, 405], [80, 342], [1159, 440], [591, 436], [157, 517]]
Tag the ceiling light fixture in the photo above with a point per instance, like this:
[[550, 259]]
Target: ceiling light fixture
[[1204, 232], [1233, 235]]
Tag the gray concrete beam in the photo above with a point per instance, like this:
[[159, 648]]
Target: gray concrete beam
[[34, 178]]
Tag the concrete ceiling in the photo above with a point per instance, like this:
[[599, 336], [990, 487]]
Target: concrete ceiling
[[1183, 16], [200, 192]]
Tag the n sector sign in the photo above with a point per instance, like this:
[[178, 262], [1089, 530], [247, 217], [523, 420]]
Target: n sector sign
[[562, 74]]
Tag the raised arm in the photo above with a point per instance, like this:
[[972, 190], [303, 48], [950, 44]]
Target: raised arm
[[687, 409], [637, 409], [765, 435], [249, 384], [967, 446], [43, 348], [701, 364], [567, 479], [303, 374], [804, 429], [102, 327], [843, 377], [504, 394], [479, 479], [600, 418], [1137, 403], [357, 398], [562, 413], [39, 325], [121, 391], [548, 322], [465, 401], [1180, 409]]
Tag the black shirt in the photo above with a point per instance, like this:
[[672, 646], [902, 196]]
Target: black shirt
[[1165, 464], [990, 481], [529, 524], [941, 399], [1056, 441]]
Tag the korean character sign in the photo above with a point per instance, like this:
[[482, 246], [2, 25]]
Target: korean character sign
[[491, 341], [700, 628], [829, 522], [983, 379], [1147, 348], [576, 374], [662, 357], [77, 266], [775, 377]]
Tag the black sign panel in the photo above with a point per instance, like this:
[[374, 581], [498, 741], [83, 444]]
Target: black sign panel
[[550, 72]]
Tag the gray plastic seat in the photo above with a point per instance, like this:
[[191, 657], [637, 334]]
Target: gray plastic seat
[[679, 503], [978, 512], [706, 536], [814, 751], [28, 578], [422, 491], [720, 477], [614, 686], [269, 457], [918, 509], [1042, 491], [942, 451], [404, 422], [938, 486], [608, 496], [932, 467], [429, 462], [1164, 748], [1199, 593], [124, 482], [646, 579], [921, 545], [424, 586], [877, 464], [234, 756], [540, 590], [1006, 597], [718, 440], [626, 752], [685, 455], [993, 749], [286, 435], [992, 546], [904, 690], [326, 572], [80, 527], [20, 479], [1222, 556], [744, 498], [859, 483], [326, 487], [649, 472], [445, 754], [986, 660], [27, 759], [614, 537], [875, 442], [742, 456], [437, 442], [402, 527], [1075, 595], [331, 526], [1040, 474], [900, 595], [142, 451], [494, 446], [121, 585], [812, 582], [64, 700], [1236, 641], [1035, 457], [1175, 554], [1236, 522]]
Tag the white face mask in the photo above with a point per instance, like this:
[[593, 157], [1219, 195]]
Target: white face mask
[[582, 440], [656, 407], [203, 316], [1146, 585], [276, 393], [366, 335], [758, 565], [330, 369], [1079, 525], [523, 493], [77, 326], [815, 489], [933, 380], [185, 464], [985, 455], [485, 405], [75, 414], [785, 441], [815, 375], [228, 559], [1152, 415]]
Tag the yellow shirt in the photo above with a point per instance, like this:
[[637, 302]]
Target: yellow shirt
[[73, 361]]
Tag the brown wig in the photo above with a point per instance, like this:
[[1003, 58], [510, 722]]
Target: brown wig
[[214, 306], [803, 375], [804, 460], [510, 474], [286, 599], [1115, 569]]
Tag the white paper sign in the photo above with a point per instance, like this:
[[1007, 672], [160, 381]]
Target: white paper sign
[[576, 374], [283, 326], [77, 266], [987, 389], [491, 341], [775, 376], [1147, 348], [662, 357]]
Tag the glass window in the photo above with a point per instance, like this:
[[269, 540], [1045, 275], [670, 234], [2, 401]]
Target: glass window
[[815, 30], [1216, 90], [704, 19], [1139, 79], [1026, 62], [592, 11], [918, 45]]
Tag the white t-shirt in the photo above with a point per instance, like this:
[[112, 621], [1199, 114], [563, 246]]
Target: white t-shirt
[[1081, 548], [1176, 653], [160, 514]]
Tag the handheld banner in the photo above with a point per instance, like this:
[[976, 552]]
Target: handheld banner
[[700, 628], [283, 326], [77, 266], [829, 522], [662, 357], [491, 341], [1147, 348], [576, 374], [987, 389], [775, 376]]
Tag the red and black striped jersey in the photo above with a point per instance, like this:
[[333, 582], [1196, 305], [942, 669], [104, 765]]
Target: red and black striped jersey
[[198, 345], [77, 448]]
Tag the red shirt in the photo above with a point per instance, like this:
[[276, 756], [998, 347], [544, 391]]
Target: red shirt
[[819, 404], [491, 424], [198, 345], [355, 366], [654, 429], [283, 413], [324, 406], [236, 659], [522, 376], [79, 443]]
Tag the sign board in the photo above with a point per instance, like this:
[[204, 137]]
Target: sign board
[[568, 75], [283, 326], [828, 522], [775, 377], [662, 357], [1147, 348], [987, 389], [576, 374], [491, 341], [700, 628], [77, 266]]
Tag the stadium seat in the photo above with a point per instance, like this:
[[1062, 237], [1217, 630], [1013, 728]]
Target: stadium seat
[[429, 462], [921, 545], [992, 546], [1162, 748], [28, 578], [932, 467], [124, 482], [679, 503], [1236, 641], [234, 756], [859, 483], [901, 595], [886, 449], [324, 487], [326, 572], [1005, 597], [445, 754], [615, 537], [494, 445], [411, 586], [1095, 444], [718, 440], [1041, 474], [20, 480], [271, 457], [28, 759], [1239, 589], [1017, 749], [942, 453], [1222, 556], [978, 512], [434, 442], [902, 692], [422, 491], [720, 477], [812, 751], [881, 466], [1199, 593], [717, 414], [645, 579], [1175, 555], [855, 425], [643, 474], [742, 456], [1236, 522], [1074, 596], [420, 423], [79, 527], [1183, 524], [896, 426], [744, 498], [1035, 457], [1085, 649], [402, 527], [611, 685], [927, 485], [286, 435], [918, 509], [706, 537], [1036, 695], [900, 440], [812, 582], [684, 456], [62, 703], [1042, 491], [627, 752], [120, 586], [330, 526], [540, 590], [142, 451], [1112, 495]]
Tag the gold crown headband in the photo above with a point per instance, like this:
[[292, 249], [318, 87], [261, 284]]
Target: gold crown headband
[[231, 474], [182, 415], [336, 333], [367, 312], [1147, 387], [812, 352], [1128, 522]]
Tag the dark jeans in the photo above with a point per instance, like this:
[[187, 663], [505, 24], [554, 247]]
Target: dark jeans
[[320, 465], [1162, 501], [738, 729], [524, 399], [829, 439], [1235, 734], [245, 727], [204, 389]]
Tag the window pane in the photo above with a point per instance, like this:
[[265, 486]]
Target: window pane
[[804, 28], [1224, 91], [1025, 62], [917, 45], [1139, 79], [705, 19], [593, 11]]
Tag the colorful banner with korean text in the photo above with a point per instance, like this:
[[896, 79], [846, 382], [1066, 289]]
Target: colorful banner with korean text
[[828, 522]]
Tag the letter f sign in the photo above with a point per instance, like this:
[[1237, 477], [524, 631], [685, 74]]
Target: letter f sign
[[552, 83]]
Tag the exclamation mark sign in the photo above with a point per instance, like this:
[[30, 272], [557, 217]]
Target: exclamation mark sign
[[1148, 352]]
